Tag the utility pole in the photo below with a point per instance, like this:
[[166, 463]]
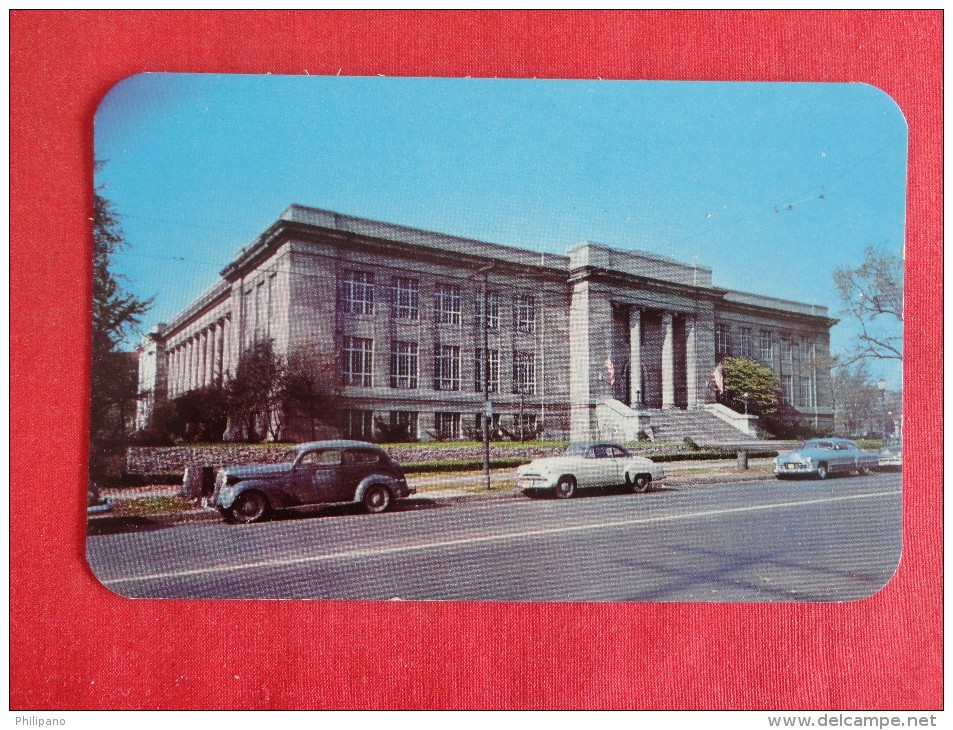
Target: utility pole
[[487, 405]]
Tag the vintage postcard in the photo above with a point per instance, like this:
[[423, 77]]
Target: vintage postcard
[[496, 340]]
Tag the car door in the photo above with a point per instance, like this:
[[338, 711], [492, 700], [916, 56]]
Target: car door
[[316, 476], [845, 457], [586, 468], [604, 466], [356, 464], [618, 458]]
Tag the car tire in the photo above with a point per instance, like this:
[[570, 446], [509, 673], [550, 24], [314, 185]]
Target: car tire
[[822, 471], [248, 507], [864, 471], [376, 499], [565, 488], [642, 483]]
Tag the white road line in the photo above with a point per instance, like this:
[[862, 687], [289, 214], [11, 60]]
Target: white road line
[[371, 552]]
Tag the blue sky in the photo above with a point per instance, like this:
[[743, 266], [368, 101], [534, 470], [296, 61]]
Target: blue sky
[[771, 185]]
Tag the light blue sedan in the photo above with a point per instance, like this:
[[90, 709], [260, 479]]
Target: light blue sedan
[[822, 457]]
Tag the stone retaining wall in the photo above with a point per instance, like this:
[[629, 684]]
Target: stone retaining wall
[[174, 459]]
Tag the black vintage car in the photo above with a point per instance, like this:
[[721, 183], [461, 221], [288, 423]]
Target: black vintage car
[[319, 472]]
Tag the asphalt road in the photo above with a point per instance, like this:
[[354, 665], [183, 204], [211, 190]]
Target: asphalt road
[[834, 540]]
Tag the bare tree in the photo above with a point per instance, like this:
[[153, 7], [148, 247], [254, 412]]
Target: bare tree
[[872, 295]]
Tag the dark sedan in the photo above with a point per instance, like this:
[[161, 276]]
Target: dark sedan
[[320, 472]]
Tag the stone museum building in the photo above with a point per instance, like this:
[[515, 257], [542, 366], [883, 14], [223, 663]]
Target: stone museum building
[[596, 343]]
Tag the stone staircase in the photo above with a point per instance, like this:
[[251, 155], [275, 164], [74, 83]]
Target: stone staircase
[[702, 426]]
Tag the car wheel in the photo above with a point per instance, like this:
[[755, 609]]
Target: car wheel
[[822, 471], [248, 507], [864, 471], [565, 488], [642, 482], [376, 499]]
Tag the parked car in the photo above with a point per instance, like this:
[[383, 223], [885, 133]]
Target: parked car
[[823, 457], [319, 472], [890, 456], [95, 503], [588, 464]]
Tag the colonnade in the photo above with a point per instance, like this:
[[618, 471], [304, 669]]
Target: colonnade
[[200, 360], [668, 358]]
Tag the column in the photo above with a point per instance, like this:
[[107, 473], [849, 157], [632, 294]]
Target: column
[[209, 338], [200, 341], [193, 362], [635, 357], [691, 362], [668, 362], [217, 352], [227, 347], [174, 374]]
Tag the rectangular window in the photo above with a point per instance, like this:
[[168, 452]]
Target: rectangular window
[[448, 304], [405, 298], [524, 373], [248, 316], [260, 310], [479, 370], [787, 389], [524, 313], [357, 292], [765, 346], [744, 342], [493, 309], [525, 426], [806, 394], [496, 432], [403, 365], [404, 424], [446, 370], [357, 361], [722, 340], [786, 354], [358, 425], [447, 425]]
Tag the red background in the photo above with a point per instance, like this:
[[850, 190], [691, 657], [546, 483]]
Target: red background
[[76, 645]]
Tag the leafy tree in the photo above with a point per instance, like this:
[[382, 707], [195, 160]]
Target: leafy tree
[[872, 296], [741, 376], [116, 314], [198, 415], [254, 394], [309, 390]]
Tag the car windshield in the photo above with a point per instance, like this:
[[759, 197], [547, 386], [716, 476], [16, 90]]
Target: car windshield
[[827, 445], [577, 449]]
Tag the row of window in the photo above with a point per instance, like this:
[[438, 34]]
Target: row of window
[[357, 367], [356, 296], [361, 424], [745, 344], [806, 394]]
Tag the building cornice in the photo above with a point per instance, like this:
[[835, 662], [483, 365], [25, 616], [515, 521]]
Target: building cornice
[[610, 277], [744, 302], [211, 297], [325, 226]]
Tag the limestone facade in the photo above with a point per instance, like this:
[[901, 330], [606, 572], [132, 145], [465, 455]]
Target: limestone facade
[[401, 312]]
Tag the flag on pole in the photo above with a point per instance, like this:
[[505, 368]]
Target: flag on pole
[[718, 378], [610, 370]]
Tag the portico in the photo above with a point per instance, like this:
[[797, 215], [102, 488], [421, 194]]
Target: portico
[[635, 320]]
